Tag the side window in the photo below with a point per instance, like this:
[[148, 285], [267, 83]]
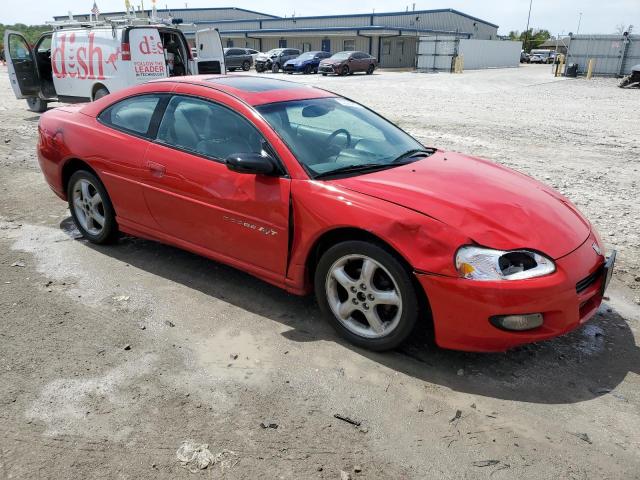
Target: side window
[[44, 45], [18, 49], [207, 129], [132, 114]]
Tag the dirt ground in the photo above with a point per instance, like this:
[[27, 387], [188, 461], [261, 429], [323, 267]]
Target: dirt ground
[[111, 357]]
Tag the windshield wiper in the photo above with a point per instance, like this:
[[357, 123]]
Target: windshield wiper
[[422, 152], [361, 168]]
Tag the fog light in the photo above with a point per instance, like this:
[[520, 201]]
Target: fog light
[[517, 322]]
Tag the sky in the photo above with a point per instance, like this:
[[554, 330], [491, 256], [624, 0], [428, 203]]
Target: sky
[[557, 16]]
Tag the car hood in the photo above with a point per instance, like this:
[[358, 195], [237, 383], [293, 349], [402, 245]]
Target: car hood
[[263, 58], [332, 62], [492, 205]]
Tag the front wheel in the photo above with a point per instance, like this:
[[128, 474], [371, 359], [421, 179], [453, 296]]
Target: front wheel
[[344, 71], [91, 208], [275, 68], [36, 104], [367, 295]]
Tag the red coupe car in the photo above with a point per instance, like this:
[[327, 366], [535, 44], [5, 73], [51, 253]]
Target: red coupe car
[[310, 191]]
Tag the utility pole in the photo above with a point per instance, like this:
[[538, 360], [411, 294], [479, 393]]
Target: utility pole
[[579, 22], [526, 32]]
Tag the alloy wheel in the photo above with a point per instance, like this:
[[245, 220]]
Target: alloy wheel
[[88, 206], [363, 296]]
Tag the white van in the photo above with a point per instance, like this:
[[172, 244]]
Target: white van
[[79, 62]]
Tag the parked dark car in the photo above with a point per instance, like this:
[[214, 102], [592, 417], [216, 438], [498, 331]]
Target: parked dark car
[[306, 63], [348, 63], [275, 59], [236, 58]]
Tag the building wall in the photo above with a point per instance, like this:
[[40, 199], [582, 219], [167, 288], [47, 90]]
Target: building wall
[[435, 20]]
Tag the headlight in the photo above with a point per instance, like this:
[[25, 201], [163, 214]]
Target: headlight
[[477, 263]]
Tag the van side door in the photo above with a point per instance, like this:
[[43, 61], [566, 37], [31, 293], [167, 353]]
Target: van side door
[[21, 65], [210, 58]]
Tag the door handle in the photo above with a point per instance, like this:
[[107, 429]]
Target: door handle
[[157, 169]]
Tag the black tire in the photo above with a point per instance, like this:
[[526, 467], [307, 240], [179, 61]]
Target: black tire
[[109, 231], [324, 74], [345, 71], [36, 104], [231, 69], [308, 69], [275, 67], [101, 92], [370, 69], [399, 273], [246, 65]]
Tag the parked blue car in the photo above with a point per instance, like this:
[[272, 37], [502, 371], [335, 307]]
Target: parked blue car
[[306, 63]]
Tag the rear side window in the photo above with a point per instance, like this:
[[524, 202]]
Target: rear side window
[[207, 129], [133, 114]]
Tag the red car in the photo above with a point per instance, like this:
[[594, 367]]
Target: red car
[[311, 191]]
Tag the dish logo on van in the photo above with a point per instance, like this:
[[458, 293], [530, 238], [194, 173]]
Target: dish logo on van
[[148, 47], [82, 60]]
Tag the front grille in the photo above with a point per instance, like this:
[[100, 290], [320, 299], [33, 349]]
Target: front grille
[[586, 282]]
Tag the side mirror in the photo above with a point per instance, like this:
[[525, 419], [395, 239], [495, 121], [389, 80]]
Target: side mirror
[[251, 163], [351, 59]]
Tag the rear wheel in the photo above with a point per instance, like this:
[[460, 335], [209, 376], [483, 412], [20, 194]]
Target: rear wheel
[[246, 65], [101, 92], [324, 74], [91, 208], [345, 70], [231, 69], [36, 104], [370, 69], [366, 294]]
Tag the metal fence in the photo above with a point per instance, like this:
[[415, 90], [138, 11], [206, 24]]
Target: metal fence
[[437, 53], [479, 54], [613, 55]]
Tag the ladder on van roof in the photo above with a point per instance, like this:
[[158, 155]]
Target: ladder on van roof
[[111, 22]]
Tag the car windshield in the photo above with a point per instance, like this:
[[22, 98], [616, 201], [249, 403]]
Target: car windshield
[[335, 136], [275, 51], [307, 56], [341, 55]]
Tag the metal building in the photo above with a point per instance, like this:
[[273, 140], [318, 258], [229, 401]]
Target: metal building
[[391, 37]]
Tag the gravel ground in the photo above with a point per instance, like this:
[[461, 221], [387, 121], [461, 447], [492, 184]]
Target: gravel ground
[[110, 358]]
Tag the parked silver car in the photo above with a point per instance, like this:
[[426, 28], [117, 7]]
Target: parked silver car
[[236, 58]]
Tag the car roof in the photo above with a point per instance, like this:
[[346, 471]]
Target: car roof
[[254, 90]]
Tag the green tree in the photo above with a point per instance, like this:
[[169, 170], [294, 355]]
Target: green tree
[[530, 40], [30, 32]]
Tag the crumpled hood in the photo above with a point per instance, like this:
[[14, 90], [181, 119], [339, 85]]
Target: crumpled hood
[[493, 205]]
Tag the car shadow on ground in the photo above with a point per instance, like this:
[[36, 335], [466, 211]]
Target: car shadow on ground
[[582, 365]]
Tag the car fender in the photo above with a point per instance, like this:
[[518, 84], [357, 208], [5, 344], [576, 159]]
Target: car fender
[[426, 244]]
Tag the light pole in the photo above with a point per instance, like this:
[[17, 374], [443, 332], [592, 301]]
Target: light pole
[[526, 32], [579, 22]]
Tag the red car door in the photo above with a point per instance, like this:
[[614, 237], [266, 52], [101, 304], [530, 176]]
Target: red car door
[[196, 199]]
